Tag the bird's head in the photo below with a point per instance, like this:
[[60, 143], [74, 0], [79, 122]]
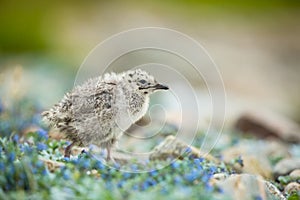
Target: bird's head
[[143, 82]]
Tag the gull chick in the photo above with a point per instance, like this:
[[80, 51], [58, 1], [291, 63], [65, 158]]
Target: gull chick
[[101, 109]]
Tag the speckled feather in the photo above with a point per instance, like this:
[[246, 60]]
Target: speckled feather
[[101, 109]]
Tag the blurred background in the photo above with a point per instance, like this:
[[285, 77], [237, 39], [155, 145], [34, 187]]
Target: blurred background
[[256, 45]]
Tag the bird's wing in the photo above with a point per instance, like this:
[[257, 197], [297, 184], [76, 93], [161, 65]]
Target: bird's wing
[[96, 114]]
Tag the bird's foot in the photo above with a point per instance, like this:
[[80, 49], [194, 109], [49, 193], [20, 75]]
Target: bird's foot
[[109, 157], [68, 150]]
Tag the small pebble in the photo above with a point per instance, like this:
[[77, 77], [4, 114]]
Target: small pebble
[[295, 174], [292, 187]]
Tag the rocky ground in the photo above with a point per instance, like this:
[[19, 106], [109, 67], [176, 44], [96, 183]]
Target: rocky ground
[[258, 158]]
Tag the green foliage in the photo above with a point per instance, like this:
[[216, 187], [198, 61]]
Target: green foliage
[[284, 180], [294, 196]]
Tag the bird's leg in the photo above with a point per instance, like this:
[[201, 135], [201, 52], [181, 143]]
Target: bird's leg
[[109, 157], [68, 150]]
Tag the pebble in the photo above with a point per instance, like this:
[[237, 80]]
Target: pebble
[[292, 187], [256, 160], [172, 147], [269, 125], [52, 165], [249, 187], [216, 178], [286, 166], [295, 174]]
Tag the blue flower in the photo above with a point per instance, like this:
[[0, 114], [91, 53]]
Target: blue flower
[[20, 183], [41, 146], [209, 187], [240, 161], [198, 163], [213, 169], [175, 165], [109, 185], [7, 186], [16, 138], [42, 134], [75, 161], [22, 175], [153, 173], [99, 165], [26, 149], [44, 172], [126, 175], [11, 170], [120, 184], [135, 187], [66, 159], [134, 167], [117, 165], [85, 163], [258, 198], [66, 175], [39, 164], [177, 180], [34, 170], [205, 177], [2, 166], [220, 190], [164, 190], [190, 177], [1, 107], [11, 157], [104, 176], [188, 150], [151, 181], [145, 185]]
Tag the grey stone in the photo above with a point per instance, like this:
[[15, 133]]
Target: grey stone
[[286, 166], [292, 187], [249, 187]]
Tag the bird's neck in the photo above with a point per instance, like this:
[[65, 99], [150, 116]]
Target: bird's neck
[[136, 101]]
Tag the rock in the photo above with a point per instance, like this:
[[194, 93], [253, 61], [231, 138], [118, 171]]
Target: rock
[[256, 160], [52, 165], [273, 149], [292, 187], [217, 178], [286, 166], [295, 174], [174, 148], [249, 187], [269, 125]]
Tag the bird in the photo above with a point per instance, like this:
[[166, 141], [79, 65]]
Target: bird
[[101, 109]]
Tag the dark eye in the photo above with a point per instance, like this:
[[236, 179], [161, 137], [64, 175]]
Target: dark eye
[[142, 81]]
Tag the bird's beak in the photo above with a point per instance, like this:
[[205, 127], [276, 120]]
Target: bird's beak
[[160, 87]]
